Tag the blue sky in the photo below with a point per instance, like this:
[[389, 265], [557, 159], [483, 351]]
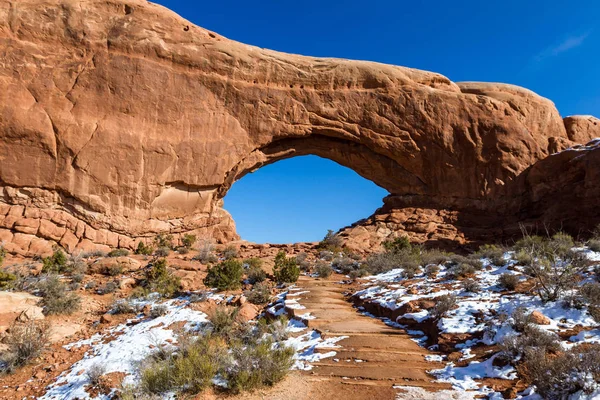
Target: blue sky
[[551, 47]]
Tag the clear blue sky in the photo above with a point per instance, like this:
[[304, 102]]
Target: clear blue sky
[[551, 47]]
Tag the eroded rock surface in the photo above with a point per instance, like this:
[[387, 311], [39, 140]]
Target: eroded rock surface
[[121, 120]]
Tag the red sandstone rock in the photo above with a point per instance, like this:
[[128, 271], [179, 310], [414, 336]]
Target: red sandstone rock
[[539, 318], [582, 128], [133, 125]]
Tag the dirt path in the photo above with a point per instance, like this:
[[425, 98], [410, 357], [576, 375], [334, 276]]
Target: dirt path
[[372, 360]]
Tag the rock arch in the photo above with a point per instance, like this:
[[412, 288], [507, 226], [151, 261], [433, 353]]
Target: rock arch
[[121, 120]]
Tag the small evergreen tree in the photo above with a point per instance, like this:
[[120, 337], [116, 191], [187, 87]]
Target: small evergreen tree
[[286, 270], [225, 276], [55, 263]]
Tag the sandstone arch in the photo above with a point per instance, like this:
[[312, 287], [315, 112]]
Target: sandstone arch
[[121, 120]]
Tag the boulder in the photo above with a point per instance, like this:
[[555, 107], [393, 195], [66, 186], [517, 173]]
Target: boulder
[[538, 318], [14, 304], [247, 312], [60, 331], [106, 318], [31, 314], [127, 283]]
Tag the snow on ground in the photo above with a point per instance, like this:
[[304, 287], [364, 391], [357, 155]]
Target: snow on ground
[[132, 342], [477, 313], [417, 393], [310, 345], [122, 348]]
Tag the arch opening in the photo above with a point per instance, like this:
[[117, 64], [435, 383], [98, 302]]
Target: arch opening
[[298, 198]]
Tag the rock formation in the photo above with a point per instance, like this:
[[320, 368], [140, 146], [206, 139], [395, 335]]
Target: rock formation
[[121, 120]]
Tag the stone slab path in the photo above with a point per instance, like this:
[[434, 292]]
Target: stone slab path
[[372, 359]]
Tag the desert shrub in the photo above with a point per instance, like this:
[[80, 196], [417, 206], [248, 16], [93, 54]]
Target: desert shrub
[[163, 240], [555, 272], [156, 377], [378, 263], [91, 285], [188, 240], [277, 328], [162, 251], [261, 364], [56, 299], [561, 243], [522, 257], [118, 253], [256, 275], [529, 244], [123, 307], [139, 292], [326, 255], [222, 321], [434, 257], [25, 342], [594, 244], [75, 265], [302, 261], [253, 262], [159, 310], [182, 250], [195, 368], [56, 263], [594, 311], [460, 271], [285, 269], [591, 293], [473, 261], [108, 288], [113, 270], [2, 254], [225, 276], [410, 269], [160, 280], [324, 270], [230, 252], [206, 253], [396, 245], [343, 264], [358, 273], [189, 370], [259, 294], [559, 376], [513, 347], [94, 254], [95, 372], [301, 257], [431, 270], [332, 242], [443, 304], [471, 285], [77, 278], [521, 319], [199, 297], [7, 280], [509, 281], [493, 253], [144, 250], [409, 258]]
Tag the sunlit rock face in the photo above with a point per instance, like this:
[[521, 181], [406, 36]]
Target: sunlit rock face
[[120, 120]]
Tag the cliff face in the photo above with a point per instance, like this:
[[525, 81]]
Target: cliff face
[[120, 120]]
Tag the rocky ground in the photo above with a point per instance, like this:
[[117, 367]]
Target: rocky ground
[[436, 328]]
